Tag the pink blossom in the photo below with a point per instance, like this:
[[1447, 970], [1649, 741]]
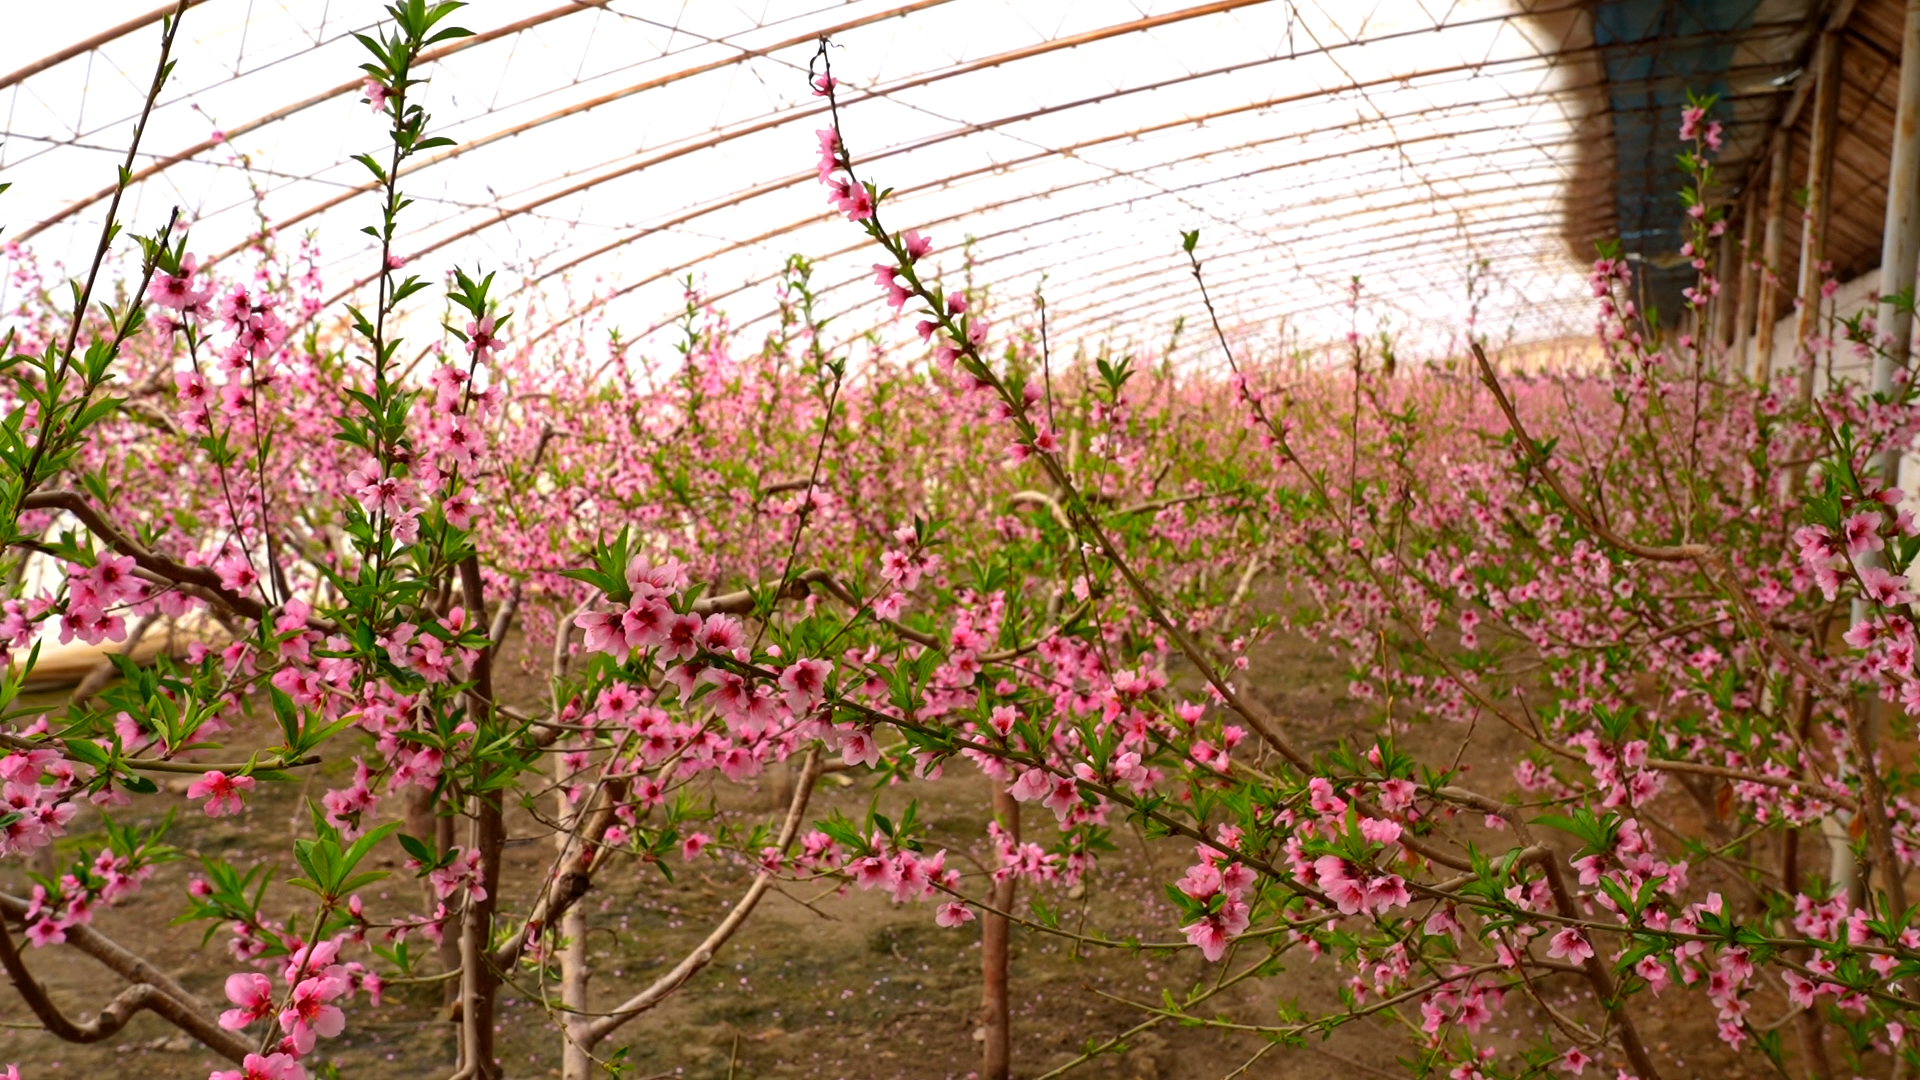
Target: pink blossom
[[1569, 944], [253, 993], [481, 341], [177, 291], [1212, 933], [221, 791], [804, 682], [1337, 880], [1396, 795], [1062, 796], [1201, 882], [829, 151], [1884, 587], [721, 634], [309, 1015], [46, 931], [1652, 969], [1387, 891], [1800, 990], [1380, 830], [236, 572], [682, 638], [1321, 798], [859, 748], [1033, 784], [271, 1067], [1861, 532], [603, 633]]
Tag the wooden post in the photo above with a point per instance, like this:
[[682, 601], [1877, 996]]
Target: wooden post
[[1899, 248], [1813, 226], [1900, 243], [1723, 300], [1749, 284], [1778, 177]]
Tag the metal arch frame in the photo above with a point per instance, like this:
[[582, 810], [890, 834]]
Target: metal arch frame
[[582, 312], [1048, 193], [1396, 235], [1147, 304], [161, 165], [578, 108], [774, 185], [1071, 150], [773, 120], [1257, 235], [1288, 99], [803, 223], [766, 121], [1086, 255], [1549, 58], [1155, 312], [862, 277], [53, 145], [89, 44], [1311, 244], [1501, 234]]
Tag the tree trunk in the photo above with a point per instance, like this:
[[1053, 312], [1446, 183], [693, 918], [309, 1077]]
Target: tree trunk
[[424, 822], [995, 932], [576, 1062], [479, 985]]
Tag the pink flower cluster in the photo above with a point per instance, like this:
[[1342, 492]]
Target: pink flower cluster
[[96, 596], [315, 980], [1224, 887], [904, 874], [847, 195]]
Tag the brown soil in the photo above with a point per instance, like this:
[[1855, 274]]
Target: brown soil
[[846, 986]]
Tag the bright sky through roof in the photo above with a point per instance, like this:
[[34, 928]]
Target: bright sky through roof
[[1308, 143]]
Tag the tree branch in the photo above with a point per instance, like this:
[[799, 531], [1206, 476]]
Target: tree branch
[[703, 954], [152, 990]]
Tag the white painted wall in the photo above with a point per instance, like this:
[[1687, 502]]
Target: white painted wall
[[1847, 364]]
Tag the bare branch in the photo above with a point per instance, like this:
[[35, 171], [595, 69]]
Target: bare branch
[[703, 954], [152, 990]]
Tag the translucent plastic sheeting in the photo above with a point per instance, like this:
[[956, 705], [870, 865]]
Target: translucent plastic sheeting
[[606, 150]]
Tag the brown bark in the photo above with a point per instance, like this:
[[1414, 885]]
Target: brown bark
[[152, 990], [1600, 978], [590, 1034], [995, 957], [576, 1062], [479, 980], [424, 821], [1812, 1030]]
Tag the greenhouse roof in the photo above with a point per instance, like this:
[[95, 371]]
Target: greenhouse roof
[[605, 150]]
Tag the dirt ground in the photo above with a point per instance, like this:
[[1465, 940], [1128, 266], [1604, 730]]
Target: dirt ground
[[814, 986]]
